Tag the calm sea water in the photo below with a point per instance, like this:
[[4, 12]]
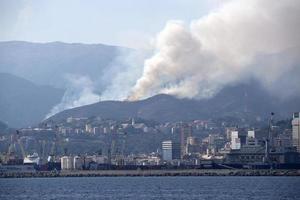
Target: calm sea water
[[152, 188]]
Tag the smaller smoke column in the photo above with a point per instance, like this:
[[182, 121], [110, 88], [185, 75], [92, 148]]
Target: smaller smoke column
[[80, 92]]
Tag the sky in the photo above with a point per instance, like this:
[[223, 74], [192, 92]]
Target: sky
[[131, 23]]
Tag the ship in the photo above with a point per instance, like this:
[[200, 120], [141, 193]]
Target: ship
[[32, 159]]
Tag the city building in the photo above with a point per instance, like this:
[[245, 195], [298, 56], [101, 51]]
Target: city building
[[193, 145], [66, 162], [170, 150], [296, 130], [186, 131], [216, 142], [235, 140], [251, 140], [88, 128], [228, 131], [78, 163], [251, 134]]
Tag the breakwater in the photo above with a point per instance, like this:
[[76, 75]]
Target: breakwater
[[186, 172]]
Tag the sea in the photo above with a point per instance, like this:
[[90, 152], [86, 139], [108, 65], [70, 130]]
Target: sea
[[115, 188]]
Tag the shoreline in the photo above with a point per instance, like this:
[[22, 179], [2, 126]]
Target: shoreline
[[148, 173]]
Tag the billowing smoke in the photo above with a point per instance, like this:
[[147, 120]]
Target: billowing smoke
[[242, 40], [80, 91]]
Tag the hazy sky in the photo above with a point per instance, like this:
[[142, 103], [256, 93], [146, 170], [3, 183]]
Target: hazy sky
[[119, 22]]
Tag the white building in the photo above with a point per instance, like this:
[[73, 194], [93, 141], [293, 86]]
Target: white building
[[251, 134], [235, 140], [88, 128], [228, 131], [66, 162], [251, 140], [296, 130]]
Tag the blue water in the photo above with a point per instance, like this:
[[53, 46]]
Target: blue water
[[222, 188]]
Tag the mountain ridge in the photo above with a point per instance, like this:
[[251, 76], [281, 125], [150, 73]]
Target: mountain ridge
[[247, 100]]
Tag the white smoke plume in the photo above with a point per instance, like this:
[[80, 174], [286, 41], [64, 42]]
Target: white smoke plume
[[243, 39], [122, 74], [80, 91]]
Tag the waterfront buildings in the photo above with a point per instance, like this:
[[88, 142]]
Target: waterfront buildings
[[256, 155], [112, 144]]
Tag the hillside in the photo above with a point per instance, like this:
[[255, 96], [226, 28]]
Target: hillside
[[23, 103], [245, 101]]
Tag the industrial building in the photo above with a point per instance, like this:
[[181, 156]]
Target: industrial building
[[255, 155], [67, 162]]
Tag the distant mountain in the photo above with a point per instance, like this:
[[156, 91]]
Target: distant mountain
[[23, 103], [244, 101], [49, 63]]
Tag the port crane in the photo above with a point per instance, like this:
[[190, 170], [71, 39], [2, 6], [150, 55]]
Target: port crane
[[11, 156], [117, 148], [269, 140], [56, 144]]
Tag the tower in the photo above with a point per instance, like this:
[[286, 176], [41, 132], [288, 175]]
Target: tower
[[296, 130], [186, 131], [270, 131]]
